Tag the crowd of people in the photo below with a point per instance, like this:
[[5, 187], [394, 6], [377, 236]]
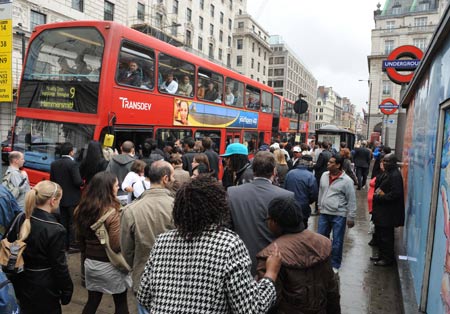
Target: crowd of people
[[196, 240]]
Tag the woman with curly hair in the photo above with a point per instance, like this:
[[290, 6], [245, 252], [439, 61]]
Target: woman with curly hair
[[201, 266], [101, 276], [45, 283]]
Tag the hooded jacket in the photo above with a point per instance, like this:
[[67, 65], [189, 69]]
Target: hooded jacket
[[306, 282], [120, 165]]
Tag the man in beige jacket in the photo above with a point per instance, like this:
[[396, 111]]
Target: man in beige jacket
[[146, 218]]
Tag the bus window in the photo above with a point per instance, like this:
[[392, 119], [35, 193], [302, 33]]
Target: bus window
[[73, 54], [214, 135], [236, 89], [252, 97], [177, 76], [276, 106], [210, 86], [288, 110], [250, 140], [40, 141], [266, 103], [168, 137], [136, 66]]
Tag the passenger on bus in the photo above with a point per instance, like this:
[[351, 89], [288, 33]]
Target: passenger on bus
[[252, 102], [229, 97], [65, 69], [183, 113], [169, 85], [81, 66], [201, 90], [185, 87], [133, 76], [211, 93]]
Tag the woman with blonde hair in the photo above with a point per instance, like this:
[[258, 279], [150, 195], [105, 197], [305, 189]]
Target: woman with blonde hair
[[281, 166], [45, 283], [101, 276]]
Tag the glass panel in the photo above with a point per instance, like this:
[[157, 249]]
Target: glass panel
[[213, 134], [175, 76], [266, 103], [252, 97], [276, 105], [136, 66], [167, 137], [233, 93], [40, 141], [63, 70], [250, 140], [210, 85]]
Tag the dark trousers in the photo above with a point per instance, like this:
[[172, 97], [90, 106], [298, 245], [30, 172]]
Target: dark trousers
[[361, 174], [385, 239], [66, 214]]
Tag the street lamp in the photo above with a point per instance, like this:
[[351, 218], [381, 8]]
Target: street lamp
[[369, 82]]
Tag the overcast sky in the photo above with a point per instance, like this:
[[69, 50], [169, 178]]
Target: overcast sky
[[331, 37]]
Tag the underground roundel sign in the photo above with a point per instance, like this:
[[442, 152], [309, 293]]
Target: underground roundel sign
[[388, 106], [395, 64]]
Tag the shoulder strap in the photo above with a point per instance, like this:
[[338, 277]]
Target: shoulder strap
[[13, 225], [102, 219]]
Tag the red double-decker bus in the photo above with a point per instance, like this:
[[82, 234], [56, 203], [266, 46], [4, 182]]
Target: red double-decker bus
[[83, 80], [288, 122]]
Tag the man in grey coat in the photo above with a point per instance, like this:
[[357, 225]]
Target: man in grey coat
[[249, 203]]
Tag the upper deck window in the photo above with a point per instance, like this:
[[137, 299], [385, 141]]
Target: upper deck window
[[62, 70]]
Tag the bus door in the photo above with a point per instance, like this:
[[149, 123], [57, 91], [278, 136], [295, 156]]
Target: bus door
[[232, 137], [136, 135]]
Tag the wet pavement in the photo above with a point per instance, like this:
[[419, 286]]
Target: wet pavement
[[364, 288]]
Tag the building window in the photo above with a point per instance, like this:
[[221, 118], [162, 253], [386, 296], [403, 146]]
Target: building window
[[420, 22], [78, 5], [200, 23], [231, 4], [200, 44], [278, 72], [264, 70], [109, 11], [240, 12], [229, 41], [240, 25], [221, 36], [253, 47], [252, 63], [239, 61], [212, 10], [420, 43], [230, 24], [211, 29], [202, 4], [141, 11], [189, 15], [390, 25], [240, 44], [259, 52], [174, 29], [211, 51], [220, 54], [258, 67], [388, 46], [228, 60], [387, 87], [188, 38], [37, 19], [159, 19], [175, 7], [221, 17], [265, 55]]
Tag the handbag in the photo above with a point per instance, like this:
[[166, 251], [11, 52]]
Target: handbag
[[11, 258], [116, 259]]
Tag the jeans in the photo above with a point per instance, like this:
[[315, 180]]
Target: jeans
[[361, 174], [337, 224], [142, 309]]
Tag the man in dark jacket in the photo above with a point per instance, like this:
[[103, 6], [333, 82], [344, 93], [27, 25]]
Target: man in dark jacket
[[306, 283], [302, 182], [388, 209], [66, 173], [120, 165], [189, 153], [361, 158], [249, 202], [238, 169], [322, 161], [213, 157]]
